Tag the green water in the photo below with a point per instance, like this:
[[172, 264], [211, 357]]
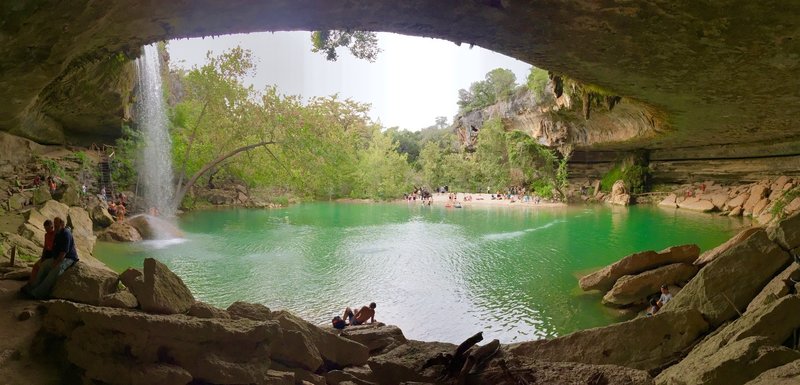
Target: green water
[[440, 274]]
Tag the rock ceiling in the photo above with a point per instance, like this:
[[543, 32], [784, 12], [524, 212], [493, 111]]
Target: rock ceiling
[[721, 71]]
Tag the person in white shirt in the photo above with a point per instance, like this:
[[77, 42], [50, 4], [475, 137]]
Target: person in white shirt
[[665, 296]]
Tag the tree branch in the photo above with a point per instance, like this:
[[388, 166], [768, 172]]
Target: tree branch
[[189, 183]]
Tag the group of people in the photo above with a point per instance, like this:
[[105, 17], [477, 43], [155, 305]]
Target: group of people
[[117, 208], [420, 194], [58, 254], [657, 303]]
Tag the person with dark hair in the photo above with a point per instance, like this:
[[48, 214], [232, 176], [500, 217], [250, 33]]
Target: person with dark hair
[[653, 309], [361, 316], [47, 251], [665, 296], [65, 256], [338, 323]]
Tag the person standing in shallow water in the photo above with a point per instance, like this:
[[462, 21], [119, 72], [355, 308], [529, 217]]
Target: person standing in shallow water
[[361, 316]]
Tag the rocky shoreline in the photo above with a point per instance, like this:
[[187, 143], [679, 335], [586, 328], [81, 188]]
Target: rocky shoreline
[[144, 326]]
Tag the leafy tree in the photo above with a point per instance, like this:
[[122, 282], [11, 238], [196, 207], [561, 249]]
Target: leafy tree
[[501, 83], [498, 85], [492, 154], [362, 44], [382, 172], [537, 81], [540, 165], [430, 161]]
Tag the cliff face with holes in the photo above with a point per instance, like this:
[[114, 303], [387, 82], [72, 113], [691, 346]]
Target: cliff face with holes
[[609, 135]]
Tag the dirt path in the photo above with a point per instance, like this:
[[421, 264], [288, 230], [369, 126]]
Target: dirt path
[[16, 364]]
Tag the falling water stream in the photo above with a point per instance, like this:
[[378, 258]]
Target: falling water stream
[[155, 167]]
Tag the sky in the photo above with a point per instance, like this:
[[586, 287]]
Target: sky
[[413, 81]]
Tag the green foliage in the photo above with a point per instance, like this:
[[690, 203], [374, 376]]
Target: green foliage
[[362, 44], [633, 174], [127, 150], [610, 177], [542, 188], [498, 85], [780, 204], [82, 158], [538, 163], [635, 177], [53, 168], [537, 82], [382, 172]]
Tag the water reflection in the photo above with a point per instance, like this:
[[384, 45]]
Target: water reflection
[[438, 274]]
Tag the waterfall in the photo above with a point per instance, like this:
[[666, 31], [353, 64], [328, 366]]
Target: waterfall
[[155, 166]]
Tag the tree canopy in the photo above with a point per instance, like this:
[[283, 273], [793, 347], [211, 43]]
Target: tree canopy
[[362, 44]]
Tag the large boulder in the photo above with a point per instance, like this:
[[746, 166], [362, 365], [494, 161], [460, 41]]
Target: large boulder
[[158, 290], [338, 351], [644, 343], [404, 363], [41, 195], [85, 283], [541, 372], [710, 255], [204, 310], [697, 204], [735, 363], [669, 201], [52, 209], [757, 193], [636, 263], [24, 245], [619, 194], [254, 311], [100, 216], [123, 299], [788, 374], [776, 288], [18, 200], [69, 196], [303, 343], [786, 232], [118, 346], [725, 286], [630, 289], [377, 337], [737, 201], [772, 324], [120, 232], [82, 232], [151, 227]]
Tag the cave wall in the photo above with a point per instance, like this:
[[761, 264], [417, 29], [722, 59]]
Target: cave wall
[[722, 72]]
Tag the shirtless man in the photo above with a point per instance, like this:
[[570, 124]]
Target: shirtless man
[[361, 316]]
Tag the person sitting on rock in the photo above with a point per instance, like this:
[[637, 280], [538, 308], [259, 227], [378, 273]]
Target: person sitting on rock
[[361, 316], [665, 296], [65, 256], [653, 309], [47, 251]]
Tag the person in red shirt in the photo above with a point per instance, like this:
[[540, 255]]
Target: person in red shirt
[[47, 250]]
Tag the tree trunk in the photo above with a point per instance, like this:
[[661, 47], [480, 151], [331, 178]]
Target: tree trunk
[[181, 191]]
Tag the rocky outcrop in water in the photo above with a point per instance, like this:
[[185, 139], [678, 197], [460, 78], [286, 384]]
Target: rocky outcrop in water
[[636, 263], [757, 200]]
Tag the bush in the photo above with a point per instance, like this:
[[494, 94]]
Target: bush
[[785, 199], [542, 188], [634, 175], [610, 177]]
